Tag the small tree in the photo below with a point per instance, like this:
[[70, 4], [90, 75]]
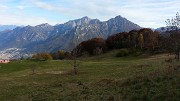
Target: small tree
[[173, 26], [75, 63], [174, 23], [74, 55]]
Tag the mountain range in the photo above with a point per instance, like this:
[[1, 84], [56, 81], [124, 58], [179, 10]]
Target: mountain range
[[48, 38], [7, 27]]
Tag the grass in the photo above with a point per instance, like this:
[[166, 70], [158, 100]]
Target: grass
[[100, 78]]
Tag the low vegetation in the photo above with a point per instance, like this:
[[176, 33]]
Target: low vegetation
[[100, 78], [122, 52]]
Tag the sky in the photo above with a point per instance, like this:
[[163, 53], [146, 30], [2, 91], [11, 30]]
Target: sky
[[146, 13]]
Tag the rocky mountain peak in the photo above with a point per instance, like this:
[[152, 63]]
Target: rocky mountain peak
[[82, 21], [85, 19], [119, 17], [43, 25]]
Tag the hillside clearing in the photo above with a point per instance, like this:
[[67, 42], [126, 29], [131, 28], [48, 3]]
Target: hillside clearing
[[100, 78]]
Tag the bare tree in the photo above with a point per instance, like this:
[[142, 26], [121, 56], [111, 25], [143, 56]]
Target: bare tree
[[173, 26], [174, 23], [74, 54]]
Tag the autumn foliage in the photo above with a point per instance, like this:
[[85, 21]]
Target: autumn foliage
[[42, 56], [93, 46], [60, 55], [142, 39]]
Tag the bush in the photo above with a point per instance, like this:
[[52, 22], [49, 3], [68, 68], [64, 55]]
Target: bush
[[122, 52], [42, 56]]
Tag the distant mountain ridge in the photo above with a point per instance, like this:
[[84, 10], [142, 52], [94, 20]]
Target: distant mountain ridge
[[65, 36], [7, 27]]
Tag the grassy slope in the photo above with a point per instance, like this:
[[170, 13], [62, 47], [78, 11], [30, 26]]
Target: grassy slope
[[101, 78]]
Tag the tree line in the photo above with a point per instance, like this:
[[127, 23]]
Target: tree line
[[143, 39]]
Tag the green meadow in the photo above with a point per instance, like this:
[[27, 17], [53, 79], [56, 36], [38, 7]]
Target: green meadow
[[100, 78]]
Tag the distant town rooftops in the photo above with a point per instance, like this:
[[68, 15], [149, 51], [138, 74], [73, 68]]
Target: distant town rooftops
[[4, 60]]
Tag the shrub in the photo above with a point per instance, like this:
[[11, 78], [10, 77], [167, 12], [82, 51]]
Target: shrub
[[42, 56], [122, 52]]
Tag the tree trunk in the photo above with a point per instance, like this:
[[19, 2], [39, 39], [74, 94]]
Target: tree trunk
[[75, 67], [178, 54]]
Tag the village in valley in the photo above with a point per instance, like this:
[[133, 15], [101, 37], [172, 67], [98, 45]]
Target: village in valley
[[4, 58]]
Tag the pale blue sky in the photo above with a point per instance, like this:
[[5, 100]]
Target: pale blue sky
[[146, 13]]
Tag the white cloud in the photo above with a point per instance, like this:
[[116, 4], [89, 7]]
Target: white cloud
[[149, 13], [3, 7], [26, 21], [20, 7], [102, 9], [5, 1], [18, 18], [146, 13]]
